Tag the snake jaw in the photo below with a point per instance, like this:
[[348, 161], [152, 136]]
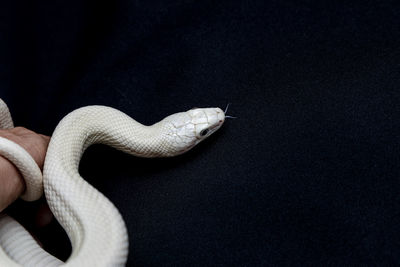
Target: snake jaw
[[187, 129]]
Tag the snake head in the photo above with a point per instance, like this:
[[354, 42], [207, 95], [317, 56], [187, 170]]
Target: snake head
[[187, 129]]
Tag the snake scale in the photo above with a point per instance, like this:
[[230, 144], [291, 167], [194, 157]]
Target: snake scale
[[96, 230]]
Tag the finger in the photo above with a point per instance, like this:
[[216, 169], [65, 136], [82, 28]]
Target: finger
[[11, 183], [44, 216]]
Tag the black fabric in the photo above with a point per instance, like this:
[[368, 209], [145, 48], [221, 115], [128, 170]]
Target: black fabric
[[308, 174]]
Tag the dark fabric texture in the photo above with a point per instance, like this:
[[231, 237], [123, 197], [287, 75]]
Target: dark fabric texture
[[308, 174]]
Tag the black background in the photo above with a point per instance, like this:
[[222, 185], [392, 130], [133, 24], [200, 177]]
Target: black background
[[308, 174]]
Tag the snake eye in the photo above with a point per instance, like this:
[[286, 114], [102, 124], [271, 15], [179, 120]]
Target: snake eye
[[204, 132]]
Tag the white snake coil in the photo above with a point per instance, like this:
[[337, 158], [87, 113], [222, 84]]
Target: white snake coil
[[94, 226]]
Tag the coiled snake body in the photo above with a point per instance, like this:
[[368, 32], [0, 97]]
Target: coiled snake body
[[94, 226]]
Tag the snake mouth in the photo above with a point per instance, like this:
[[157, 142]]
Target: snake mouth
[[220, 116]]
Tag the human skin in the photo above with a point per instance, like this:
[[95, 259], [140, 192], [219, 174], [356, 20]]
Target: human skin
[[12, 184]]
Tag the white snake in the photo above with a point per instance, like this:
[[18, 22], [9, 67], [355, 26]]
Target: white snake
[[94, 226]]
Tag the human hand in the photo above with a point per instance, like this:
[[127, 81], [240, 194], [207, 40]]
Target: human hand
[[12, 184]]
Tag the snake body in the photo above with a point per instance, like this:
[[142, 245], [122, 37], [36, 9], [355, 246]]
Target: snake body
[[94, 226]]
